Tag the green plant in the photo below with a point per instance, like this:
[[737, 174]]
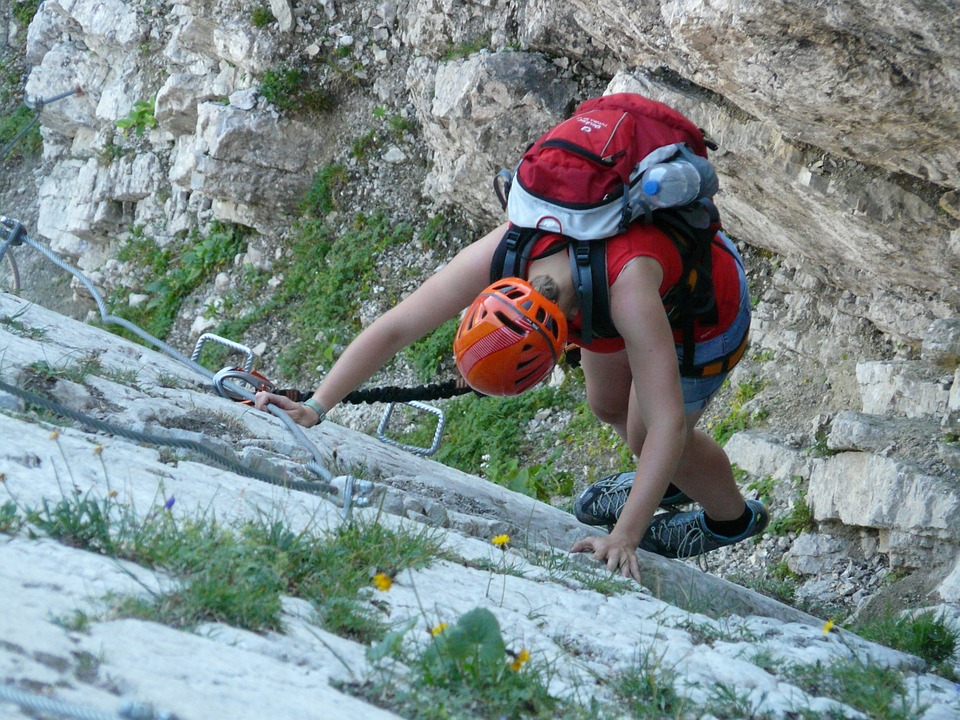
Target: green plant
[[723, 629], [646, 689], [799, 519], [466, 49], [926, 635], [10, 520], [237, 574], [364, 144], [433, 350], [287, 88], [738, 418], [21, 132], [484, 436], [397, 123], [80, 521], [16, 326], [24, 11], [261, 16], [76, 621], [326, 273], [820, 447], [875, 690], [169, 276], [465, 671], [140, 117], [321, 197], [562, 567], [434, 230], [763, 487], [726, 700]]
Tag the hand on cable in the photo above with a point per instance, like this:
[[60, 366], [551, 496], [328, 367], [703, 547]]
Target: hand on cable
[[298, 412]]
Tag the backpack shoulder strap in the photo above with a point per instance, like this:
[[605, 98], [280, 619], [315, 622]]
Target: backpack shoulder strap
[[588, 267], [512, 255]]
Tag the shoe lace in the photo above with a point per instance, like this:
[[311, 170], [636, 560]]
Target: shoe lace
[[611, 500], [686, 536]]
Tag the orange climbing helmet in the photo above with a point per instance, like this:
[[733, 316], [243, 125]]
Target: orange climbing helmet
[[509, 339]]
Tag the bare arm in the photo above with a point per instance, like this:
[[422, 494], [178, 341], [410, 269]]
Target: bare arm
[[638, 314], [438, 299]]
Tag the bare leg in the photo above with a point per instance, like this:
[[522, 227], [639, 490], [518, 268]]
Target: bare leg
[[704, 473]]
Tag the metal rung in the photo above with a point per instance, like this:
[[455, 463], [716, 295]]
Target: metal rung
[[210, 337], [441, 422]]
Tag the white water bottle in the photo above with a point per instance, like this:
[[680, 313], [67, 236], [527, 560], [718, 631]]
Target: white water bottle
[[671, 184], [680, 181]]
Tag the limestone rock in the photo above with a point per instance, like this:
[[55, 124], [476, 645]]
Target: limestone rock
[[479, 115], [941, 344]]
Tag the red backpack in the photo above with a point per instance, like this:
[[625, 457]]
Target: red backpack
[[619, 159]]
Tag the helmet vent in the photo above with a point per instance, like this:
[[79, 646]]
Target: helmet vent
[[510, 323]]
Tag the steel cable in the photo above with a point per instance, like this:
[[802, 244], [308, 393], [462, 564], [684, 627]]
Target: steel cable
[[318, 464]]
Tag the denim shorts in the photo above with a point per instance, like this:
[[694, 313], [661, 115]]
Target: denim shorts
[[697, 391]]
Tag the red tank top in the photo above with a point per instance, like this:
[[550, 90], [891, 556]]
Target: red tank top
[[649, 241]]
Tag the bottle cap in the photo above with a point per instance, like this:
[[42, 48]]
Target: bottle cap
[[651, 186]]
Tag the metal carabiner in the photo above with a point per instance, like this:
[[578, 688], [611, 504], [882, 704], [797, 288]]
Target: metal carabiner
[[255, 381]]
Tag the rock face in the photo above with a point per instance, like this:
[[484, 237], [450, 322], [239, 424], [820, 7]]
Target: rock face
[[835, 125], [65, 641], [837, 150]]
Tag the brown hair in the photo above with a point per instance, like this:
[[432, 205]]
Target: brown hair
[[546, 286]]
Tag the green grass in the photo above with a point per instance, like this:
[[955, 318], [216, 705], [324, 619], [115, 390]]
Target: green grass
[[171, 273], [290, 90], [739, 418], [321, 198], [926, 635], [261, 16], [325, 276], [30, 143], [646, 689], [875, 690], [429, 354], [485, 435], [43, 372], [24, 10], [236, 574], [799, 519], [465, 49]]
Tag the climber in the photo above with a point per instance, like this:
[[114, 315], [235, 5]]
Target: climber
[[632, 382], [613, 232]]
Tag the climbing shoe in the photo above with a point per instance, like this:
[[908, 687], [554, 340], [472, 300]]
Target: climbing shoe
[[601, 503], [685, 534], [674, 496]]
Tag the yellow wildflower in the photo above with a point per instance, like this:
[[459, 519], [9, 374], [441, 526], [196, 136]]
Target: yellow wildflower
[[98, 449], [500, 540], [382, 581], [438, 628], [828, 627], [520, 659], [55, 435], [112, 494]]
